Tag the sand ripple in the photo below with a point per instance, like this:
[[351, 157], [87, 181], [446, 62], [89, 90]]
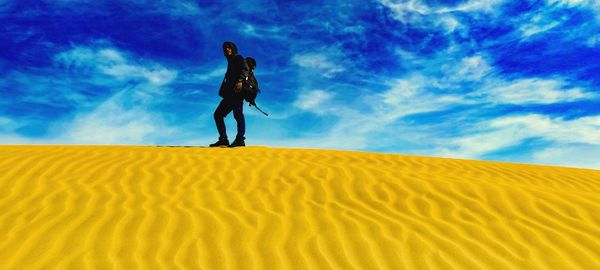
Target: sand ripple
[[118, 207]]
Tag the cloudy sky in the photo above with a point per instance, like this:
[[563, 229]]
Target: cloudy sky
[[503, 80]]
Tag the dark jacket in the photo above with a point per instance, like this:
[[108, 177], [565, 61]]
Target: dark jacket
[[237, 71]]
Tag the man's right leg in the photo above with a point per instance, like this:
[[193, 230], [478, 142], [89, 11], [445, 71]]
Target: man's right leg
[[222, 110]]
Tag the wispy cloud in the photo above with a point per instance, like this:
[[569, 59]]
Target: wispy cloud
[[537, 26], [179, 7], [126, 116], [556, 16], [477, 6], [264, 32], [112, 62], [117, 122], [593, 41], [413, 95], [314, 101], [415, 11], [471, 68], [407, 11], [210, 75], [571, 3], [431, 90], [533, 91], [503, 132], [322, 63], [575, 155]]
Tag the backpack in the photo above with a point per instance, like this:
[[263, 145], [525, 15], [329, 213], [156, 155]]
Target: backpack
[[250, 89], [250, 86]]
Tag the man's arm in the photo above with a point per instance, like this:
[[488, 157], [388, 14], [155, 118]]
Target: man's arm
[[243, 67]]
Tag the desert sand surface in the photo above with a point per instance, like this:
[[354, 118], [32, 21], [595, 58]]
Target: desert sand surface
[[144, 207]]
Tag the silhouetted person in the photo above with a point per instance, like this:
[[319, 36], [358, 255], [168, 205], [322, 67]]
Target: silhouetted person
[[233, 99]]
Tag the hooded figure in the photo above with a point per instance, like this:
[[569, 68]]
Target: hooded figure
[[237, 70], [233, 100]]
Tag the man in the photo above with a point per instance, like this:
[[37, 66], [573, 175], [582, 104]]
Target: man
[[233, 99]]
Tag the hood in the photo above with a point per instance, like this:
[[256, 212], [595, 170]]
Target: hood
[[232, 45]]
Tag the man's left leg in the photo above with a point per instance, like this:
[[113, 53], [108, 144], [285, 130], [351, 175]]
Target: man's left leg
[[238, 114]]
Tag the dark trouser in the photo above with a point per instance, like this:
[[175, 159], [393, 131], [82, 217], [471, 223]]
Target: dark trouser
[[227, 105]]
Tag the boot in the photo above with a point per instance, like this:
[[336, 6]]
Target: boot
[[238, 142], [220, 142]]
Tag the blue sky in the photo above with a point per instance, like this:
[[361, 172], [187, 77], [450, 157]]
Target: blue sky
[[503, 80]]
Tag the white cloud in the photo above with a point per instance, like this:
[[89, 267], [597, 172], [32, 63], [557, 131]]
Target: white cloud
[[45, 89], [214, 74], [13, 139], [573, 155], [112, 62], [539, 24], [532, 91], [360, 127], [472, 68], [502, 132], [477, 5], [118, 120], [126, 117], [545, 19], [489, 86], [476, 145], [415, 11], [411, 96], [450, 79], [528, 30], [175, 8], [408, 56], [450, 23], [323, 63], [264, 32], [355, 130], [179, 7], [407, 11], [430, 89], [313, 100], [356, 29], [156, 75], [108, 56], [249, 29], [571, 3], [593, 41]]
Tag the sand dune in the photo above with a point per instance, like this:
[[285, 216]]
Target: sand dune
[[129, 207]]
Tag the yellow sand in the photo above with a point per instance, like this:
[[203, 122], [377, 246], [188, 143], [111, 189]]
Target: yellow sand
[[118, 207]]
